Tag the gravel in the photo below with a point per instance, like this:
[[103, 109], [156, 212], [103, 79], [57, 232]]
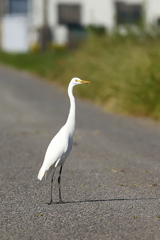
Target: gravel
[[110, 181]]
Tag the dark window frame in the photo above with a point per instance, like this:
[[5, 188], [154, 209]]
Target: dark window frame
[[18, 6], [69, 14], [128, 13]]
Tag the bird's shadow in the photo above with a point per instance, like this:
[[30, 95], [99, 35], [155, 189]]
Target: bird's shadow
[[103, 200]]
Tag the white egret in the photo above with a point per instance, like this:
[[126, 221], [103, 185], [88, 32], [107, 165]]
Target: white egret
[[61, 145]]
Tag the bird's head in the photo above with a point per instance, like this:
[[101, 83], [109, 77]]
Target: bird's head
[[77, 81]]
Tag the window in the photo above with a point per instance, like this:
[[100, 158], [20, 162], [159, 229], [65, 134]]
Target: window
[[128, 13], [69, 14], [18, 6]]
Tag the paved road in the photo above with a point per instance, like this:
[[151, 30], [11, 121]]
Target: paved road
[[110, 182]]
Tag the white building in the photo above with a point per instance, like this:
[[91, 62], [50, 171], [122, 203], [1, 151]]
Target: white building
[[29, 22]]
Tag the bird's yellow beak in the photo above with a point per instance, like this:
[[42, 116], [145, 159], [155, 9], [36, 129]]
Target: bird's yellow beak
[[84, 82]]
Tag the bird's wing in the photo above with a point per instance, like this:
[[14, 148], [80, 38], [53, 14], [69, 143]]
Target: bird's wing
[[56, 149]]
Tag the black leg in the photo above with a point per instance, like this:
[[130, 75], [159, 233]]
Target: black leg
[[59, 183], [52, 185]]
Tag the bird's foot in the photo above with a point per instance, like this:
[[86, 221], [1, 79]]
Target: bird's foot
[[60, 201], [50, 202]]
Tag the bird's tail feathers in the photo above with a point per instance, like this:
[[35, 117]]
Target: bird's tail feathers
[[41, 173]]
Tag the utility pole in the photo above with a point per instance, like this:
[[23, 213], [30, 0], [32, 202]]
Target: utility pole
[[1, 18], [44, 31]]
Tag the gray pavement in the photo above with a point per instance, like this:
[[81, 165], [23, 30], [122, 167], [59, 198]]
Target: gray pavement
[[110, 182]]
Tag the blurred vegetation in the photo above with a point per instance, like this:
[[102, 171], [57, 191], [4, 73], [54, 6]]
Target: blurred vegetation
[[124, 71]]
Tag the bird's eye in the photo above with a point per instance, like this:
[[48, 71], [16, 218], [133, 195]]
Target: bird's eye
[[77, 80]]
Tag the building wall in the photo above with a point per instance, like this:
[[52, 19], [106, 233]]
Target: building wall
[[97, 12], [15, 34], [152, 8]]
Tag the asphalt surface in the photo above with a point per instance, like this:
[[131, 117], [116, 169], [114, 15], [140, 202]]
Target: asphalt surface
[[110, 181]]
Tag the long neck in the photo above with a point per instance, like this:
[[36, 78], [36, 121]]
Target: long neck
[[71, 117]]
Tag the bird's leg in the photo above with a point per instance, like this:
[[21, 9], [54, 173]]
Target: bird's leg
[[59, 182], [52, 185]]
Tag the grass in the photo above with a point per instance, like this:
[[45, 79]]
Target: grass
[[40, 63], [124, 71]]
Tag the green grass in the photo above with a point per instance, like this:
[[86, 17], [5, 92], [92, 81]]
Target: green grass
[[42, 64], [124, 72]]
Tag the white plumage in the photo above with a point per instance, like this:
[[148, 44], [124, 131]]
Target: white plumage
[[61, 145], [57, 151]]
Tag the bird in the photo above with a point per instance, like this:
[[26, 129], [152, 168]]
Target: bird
[[61, 144]]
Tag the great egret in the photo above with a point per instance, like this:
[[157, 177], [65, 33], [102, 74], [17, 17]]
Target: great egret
[[61, 145]]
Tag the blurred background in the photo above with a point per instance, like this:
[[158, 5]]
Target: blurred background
[[114, 44]]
